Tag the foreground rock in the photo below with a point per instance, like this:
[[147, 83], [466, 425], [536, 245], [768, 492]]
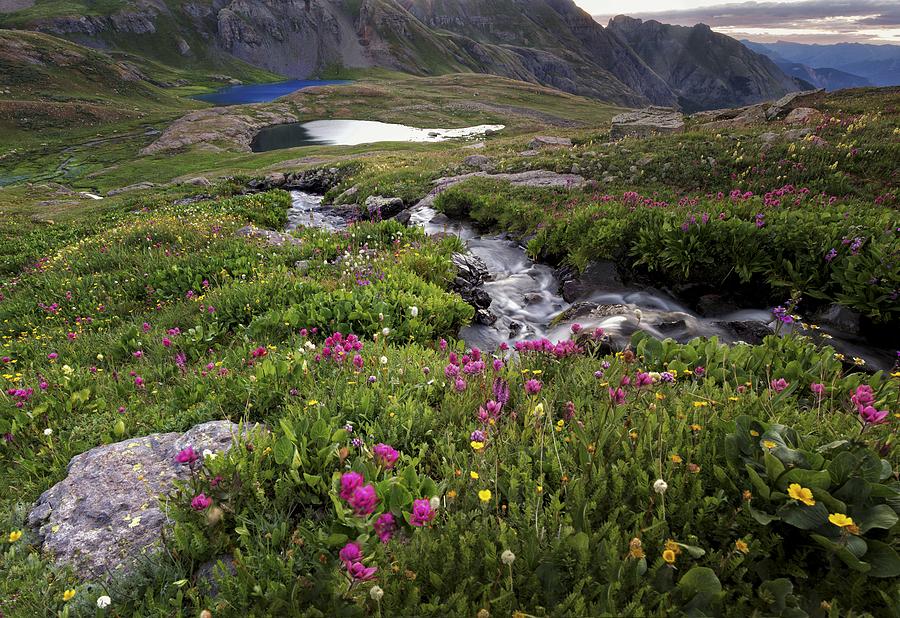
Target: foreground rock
[[380, 207], [471, 273], [597, 275], [649, 121], [106, 513]]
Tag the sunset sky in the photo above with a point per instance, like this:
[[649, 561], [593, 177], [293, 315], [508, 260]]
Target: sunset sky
[[805, 21]]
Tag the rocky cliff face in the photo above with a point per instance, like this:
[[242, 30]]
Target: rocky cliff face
[[550, 42], [706, 70]]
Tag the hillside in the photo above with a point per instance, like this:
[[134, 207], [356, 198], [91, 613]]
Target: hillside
[[706, 70], [551, 42]]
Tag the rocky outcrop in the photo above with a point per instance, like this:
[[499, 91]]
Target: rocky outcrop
[[649, 121], [471, 273], [318, 180], [534, 178], [785, 104], [107, 514]]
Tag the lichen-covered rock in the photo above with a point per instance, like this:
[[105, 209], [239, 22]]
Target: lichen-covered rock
[[471, 273], [107, 512], [649, 121], [544, 141], [380, 207], [270, 237]]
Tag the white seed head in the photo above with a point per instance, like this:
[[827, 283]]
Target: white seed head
[[376, 593], [414, 311], [104, 602], [660, 486], [507, 558], [435, 502], [384, 360]]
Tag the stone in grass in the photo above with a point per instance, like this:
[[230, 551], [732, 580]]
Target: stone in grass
[[107, 514], [648, 121], [546, 141]]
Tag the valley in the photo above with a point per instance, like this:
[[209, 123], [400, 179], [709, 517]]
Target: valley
[[456, 322]]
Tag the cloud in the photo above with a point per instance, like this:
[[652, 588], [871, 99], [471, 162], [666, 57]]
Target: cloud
[[859, 20]]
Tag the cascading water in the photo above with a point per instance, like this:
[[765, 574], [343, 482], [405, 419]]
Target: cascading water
[[528, 305]]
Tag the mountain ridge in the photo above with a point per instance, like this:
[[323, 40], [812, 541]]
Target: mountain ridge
[[550, 42]]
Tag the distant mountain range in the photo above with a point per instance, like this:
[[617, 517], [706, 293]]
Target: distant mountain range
[[551, 42], [841, 65]]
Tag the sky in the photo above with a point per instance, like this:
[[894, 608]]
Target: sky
[[803, 21]]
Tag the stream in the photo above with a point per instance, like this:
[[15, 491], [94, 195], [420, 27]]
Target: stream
[[527, 302]]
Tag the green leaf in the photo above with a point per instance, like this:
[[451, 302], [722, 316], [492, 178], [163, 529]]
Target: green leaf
[[284, 450], [804, 517], [700, 580], [883, 558], [843, 553], [881, 516], [806, 478]]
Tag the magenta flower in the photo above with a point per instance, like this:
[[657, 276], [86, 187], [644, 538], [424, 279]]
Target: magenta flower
[[386, 455], [200, 502], [259, 352], [817, 389], [358, 361], [778, 385], [166, 342], [385, 526], [350, 482], [501, 391], [460, 385], [699, 371], [360, 572], [643, 379], [533, 387], [422, 513], [351, 552], [872, 416], [863, 396], [617, 396], [187, 455], [363, 500]]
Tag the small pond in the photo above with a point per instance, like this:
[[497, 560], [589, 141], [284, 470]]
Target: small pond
[[354, 132], [261, 93]]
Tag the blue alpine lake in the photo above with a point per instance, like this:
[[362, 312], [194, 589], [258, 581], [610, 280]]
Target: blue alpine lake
[[261, 93]]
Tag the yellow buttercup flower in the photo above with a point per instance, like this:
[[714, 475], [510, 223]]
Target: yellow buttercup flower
[[68, 594], [15, 535], [769, 444], [804, 495], [484, 495], [840, 520], [473, 475], [741, 546], [676, 459], [478, 446], [669, 556], [672, 545]]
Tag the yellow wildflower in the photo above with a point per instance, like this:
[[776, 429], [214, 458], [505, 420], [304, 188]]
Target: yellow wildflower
[[484, 495], [68, 594], [741, 546], [676, 459], [15, 535], [804, 495], [473, 475], [769, 444], [669, 556], [840, 520], [477, 446], [672, 545]]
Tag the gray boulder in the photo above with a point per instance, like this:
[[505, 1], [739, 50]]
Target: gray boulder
[[480, 162], [135, 187], [383, 207], [598, 275], [106, 514], [788, 102], [649, 121], [803, 115], [544, 141]]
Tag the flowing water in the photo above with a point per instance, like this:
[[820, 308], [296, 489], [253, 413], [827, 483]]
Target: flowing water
[[527, 302]]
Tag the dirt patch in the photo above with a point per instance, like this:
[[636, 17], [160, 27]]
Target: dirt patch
[[11, 6]]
